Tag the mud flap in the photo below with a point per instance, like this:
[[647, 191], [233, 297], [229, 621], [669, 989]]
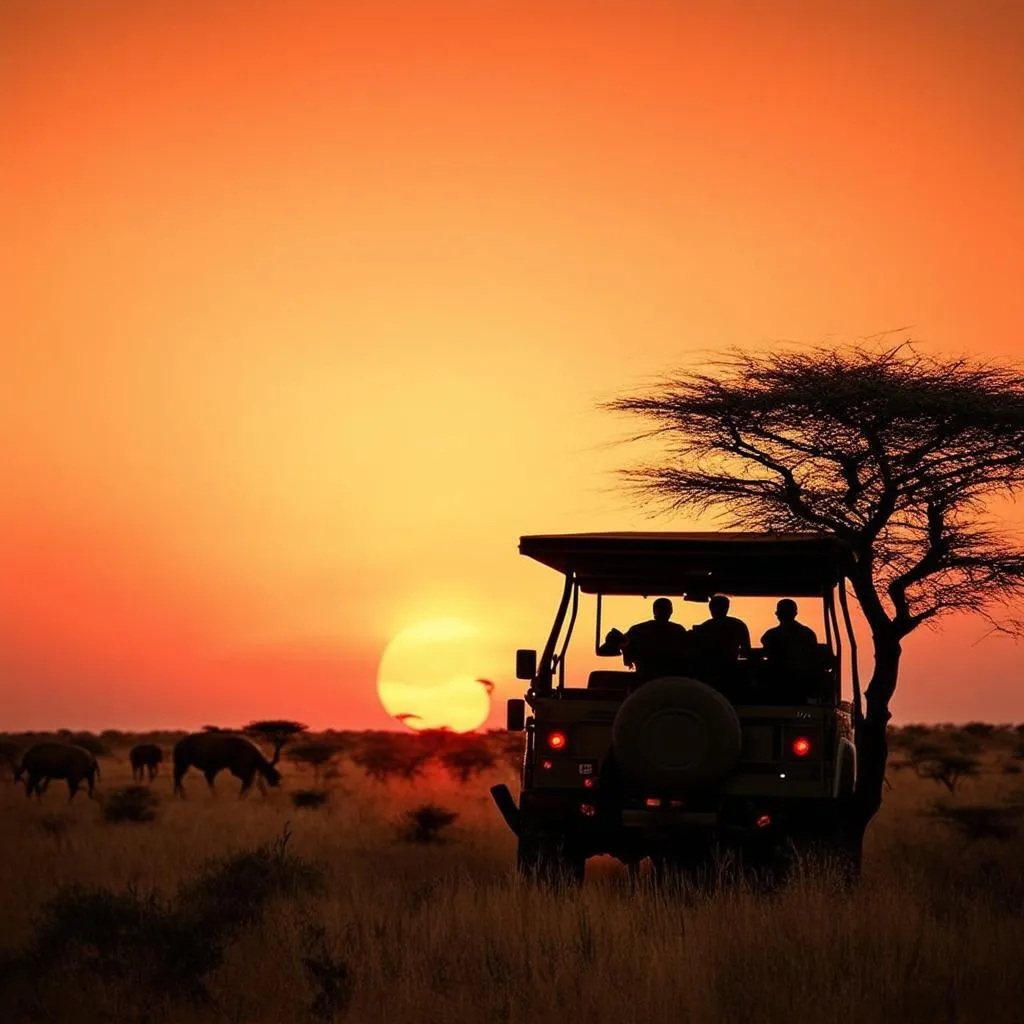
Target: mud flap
[[507, 805]]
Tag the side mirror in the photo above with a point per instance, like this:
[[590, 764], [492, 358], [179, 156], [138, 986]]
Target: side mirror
[[515, 715], [526, 664]]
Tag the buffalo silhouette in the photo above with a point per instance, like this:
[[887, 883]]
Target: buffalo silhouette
[[51, 760], [212, 752], [145, 756]]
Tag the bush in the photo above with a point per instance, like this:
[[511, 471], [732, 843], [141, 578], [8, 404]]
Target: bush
[[120, 936], [232, 890], [423, 824], [309, 799], [981, 821], [136, 804]]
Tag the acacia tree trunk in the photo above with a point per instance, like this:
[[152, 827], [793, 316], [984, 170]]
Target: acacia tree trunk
[[870, 738]]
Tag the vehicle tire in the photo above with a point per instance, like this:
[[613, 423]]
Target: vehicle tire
[[545, 858], [674, 734]]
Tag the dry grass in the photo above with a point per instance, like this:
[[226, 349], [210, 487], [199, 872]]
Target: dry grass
[[443, 932]]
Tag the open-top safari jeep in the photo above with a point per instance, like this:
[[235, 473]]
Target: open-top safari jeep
[[680, 767]]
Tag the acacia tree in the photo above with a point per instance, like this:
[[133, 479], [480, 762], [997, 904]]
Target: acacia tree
[[896, 452], [276, 731]]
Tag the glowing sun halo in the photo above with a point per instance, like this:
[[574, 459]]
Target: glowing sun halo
[[433, 675]]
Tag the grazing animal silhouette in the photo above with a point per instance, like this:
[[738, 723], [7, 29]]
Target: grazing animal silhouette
[[145, 756], [212, 752], [52, 760]]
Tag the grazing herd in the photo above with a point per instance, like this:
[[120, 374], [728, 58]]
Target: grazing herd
[[209, 752]]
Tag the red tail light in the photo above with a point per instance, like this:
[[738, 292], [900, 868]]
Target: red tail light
[[588, 783], [546, 765], [556, 740], [652, 801], [801, 746], [764, 821]]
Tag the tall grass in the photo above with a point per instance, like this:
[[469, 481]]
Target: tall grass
[[397, 932]]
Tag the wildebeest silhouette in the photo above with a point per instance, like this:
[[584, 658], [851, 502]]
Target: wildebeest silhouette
[[212, 752], [52, 760], [145, 756]]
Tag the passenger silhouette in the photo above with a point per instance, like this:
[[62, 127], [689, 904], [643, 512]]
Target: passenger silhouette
[[791, 651], [722, 638], [657, 647]]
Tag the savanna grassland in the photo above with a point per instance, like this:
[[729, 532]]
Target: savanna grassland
[[218, 909]]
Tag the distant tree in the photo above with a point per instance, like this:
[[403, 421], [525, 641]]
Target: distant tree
[[943, 765], [979, 730], [276, 731], [387, 756], [895, 452], [315, 754], [472, 756]]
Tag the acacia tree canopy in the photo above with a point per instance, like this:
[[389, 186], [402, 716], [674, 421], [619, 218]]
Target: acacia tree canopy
[[898, 452]]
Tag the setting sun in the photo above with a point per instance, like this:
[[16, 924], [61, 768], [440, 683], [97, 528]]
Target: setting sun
[[436, 675]]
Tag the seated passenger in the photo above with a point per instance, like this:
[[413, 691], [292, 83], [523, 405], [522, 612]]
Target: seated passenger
[[790, 650], [612, 643], [722, 638], [657, 647]]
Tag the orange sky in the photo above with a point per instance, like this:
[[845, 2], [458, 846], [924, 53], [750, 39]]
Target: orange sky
[[306, 307]]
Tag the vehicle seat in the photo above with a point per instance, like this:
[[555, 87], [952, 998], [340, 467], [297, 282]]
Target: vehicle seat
[[617, 682]]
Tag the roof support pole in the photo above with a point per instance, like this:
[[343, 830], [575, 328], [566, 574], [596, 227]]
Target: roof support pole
[[858, 713], [545, 669]]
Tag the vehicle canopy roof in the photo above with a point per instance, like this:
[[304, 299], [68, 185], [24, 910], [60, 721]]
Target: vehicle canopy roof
[[695, 565]]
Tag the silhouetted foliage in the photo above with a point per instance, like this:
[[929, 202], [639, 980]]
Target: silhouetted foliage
[[309, 799], [134, 804], [895, 452], [979, 730], [470, 757], [423, 824], [162, 947], [276, 731], [385, 757], [232, 891], [126, 936], [315, 754], [942, 765], [980, 821]]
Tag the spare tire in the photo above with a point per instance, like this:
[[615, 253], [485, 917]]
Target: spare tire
[[675, 733]]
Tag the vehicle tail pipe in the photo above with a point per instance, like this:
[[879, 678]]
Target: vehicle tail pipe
[[507, 806]]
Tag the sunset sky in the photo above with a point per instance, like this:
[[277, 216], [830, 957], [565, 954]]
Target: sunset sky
[[307, 307]]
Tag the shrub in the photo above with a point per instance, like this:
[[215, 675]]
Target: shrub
[[232, 891], [980, 821], [423, 824], [309, 799], [136, 804], [121, 936], [979, 730]]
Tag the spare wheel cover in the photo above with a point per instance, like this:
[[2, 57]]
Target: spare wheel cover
[[676, 733]]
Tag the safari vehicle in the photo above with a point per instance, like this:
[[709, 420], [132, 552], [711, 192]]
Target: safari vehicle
[[681, 766]]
